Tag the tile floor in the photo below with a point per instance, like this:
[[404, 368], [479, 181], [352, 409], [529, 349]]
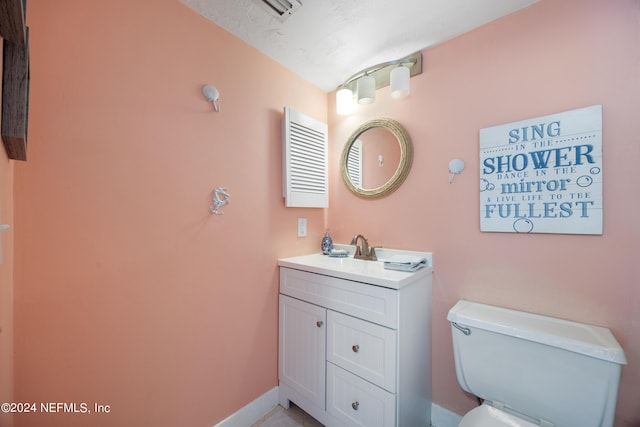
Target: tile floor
[[292, 417]]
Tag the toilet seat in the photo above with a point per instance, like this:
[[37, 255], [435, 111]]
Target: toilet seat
[[488, 416]]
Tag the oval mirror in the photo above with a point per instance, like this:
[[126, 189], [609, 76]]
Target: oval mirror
[[376, 158]]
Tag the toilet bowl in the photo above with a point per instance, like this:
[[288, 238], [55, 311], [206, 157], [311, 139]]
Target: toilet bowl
[[486, 415], [534, 370]]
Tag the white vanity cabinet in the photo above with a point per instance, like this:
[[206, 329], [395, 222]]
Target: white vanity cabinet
[[355, 342]]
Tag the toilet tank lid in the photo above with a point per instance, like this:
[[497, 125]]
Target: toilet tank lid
[[594, 341]]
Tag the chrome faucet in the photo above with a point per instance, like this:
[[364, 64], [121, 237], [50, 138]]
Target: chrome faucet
[[363, 251]]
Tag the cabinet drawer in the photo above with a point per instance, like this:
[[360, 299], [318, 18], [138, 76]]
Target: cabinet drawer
[[364, 348], [369, 302], [356, 402]]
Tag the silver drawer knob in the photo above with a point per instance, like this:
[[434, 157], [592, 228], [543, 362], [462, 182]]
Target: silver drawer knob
[[319, 323], [355, 405], [355, 348]]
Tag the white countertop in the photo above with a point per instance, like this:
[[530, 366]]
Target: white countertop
[[372, 272]]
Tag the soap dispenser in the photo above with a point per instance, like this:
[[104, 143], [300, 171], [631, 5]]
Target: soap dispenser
[[327, 243]]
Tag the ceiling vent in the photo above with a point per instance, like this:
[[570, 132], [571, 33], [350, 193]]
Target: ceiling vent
[[283, 9]]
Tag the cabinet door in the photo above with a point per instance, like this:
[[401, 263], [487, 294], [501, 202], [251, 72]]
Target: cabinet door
[[302, 347]]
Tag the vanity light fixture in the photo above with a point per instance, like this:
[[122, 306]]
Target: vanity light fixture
[[344, 101], [212, 95], [400, 82], [344, 98], [366, 89], [365, 83]]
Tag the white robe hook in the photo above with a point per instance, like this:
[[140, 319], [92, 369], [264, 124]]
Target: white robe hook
[[212, 95], [455, 167]]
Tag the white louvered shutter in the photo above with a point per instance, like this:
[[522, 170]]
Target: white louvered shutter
[[354, 163], [305, 165]]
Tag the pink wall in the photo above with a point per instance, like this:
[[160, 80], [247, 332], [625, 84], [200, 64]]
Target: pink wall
[[551, 57], [6, 279], [129, 292], [6, 286]]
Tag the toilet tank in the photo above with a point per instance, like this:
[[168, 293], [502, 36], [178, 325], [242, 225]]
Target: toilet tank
[[565, 373]]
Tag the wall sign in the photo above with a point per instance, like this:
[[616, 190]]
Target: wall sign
[[543, 175]]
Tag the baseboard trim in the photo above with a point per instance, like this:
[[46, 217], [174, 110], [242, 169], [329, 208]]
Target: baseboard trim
[[442, 417], [253, 411]]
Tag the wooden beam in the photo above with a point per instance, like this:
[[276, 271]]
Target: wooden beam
[[15, 98], [12, 25]]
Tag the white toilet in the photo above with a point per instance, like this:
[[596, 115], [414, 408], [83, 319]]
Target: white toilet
[[533, 370]]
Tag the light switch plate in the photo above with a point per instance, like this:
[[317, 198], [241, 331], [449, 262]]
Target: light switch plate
[[302, 227]]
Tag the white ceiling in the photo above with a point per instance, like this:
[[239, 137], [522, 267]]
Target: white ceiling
[[327, 41]]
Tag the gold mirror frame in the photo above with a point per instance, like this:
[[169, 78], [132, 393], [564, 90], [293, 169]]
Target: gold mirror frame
[[404, 166]]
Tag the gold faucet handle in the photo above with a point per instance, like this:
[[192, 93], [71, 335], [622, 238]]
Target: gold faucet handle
[[372, 253]]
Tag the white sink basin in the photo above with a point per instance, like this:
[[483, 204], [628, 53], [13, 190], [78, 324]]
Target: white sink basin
[[372, 272]]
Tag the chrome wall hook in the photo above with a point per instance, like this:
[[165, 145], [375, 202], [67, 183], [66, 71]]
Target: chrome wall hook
[[220, 198]]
